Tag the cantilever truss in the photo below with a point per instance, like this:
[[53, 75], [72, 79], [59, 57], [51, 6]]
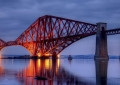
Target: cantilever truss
[[50, 34], [2, 43]]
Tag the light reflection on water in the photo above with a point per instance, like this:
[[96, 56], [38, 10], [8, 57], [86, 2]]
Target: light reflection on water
[[59, 72]]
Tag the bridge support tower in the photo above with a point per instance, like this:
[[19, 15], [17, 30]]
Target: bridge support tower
[[101, 52]]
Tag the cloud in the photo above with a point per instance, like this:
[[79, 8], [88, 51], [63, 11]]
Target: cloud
[[20, 14], [17, 15]]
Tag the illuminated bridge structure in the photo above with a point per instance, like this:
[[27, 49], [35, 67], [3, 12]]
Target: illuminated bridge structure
[[49, 34]]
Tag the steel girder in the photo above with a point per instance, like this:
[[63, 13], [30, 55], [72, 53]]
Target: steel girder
[[49, 33]]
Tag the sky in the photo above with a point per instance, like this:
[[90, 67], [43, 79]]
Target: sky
[[17, 15]]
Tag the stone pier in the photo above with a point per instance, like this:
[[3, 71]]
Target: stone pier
[[101, 52]]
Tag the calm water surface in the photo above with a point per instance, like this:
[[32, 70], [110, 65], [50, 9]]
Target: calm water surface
[[59, 72]]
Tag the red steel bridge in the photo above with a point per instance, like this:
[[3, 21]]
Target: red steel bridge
[[50, 34]]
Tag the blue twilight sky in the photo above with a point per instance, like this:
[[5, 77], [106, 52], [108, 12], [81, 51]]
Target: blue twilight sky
[[17, 15]]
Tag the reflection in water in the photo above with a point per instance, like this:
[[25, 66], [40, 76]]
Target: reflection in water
[[35, 72], [42, 68], [1, 68], [101, 72], [49, 69]]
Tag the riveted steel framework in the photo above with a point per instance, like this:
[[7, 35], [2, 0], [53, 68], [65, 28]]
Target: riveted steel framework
[[113, 31], [2, 43], [50, 34]]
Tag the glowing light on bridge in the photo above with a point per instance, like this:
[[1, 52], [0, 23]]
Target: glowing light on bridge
[[58, 55], [48, 54], [39, 55]]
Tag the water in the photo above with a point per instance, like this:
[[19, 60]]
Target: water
[[59, 72]]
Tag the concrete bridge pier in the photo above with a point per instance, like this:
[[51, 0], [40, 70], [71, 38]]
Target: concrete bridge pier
[[101, 52]]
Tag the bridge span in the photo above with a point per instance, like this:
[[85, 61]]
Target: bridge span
[[51, 34]]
